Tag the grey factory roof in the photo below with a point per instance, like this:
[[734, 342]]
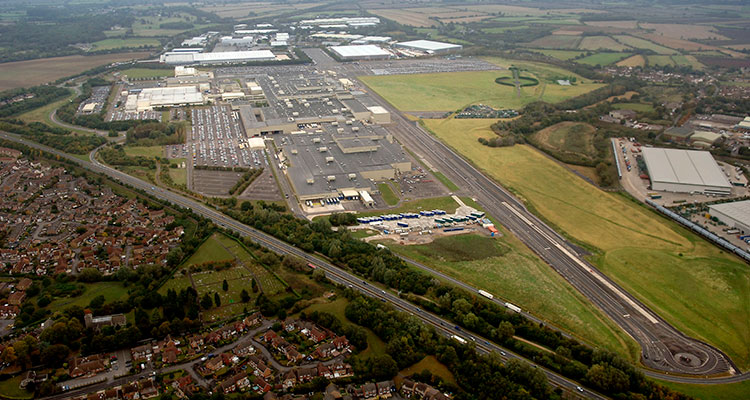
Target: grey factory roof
[[737, 210], [684, 167]]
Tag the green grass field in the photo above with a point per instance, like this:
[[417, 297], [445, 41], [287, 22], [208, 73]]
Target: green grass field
[[603, 58], [210, 250], [563, 55], [178, 175], [659, 60], [110, 290], [109, 44], [144, 151], [711, 392], [633, 106], [453, 90], [9, 389], [375, 346], [601, 43], [388, 196], [510, 271], [639, 43], [431, 364], [139, 73], [269, 283], [442, 203], [665, 266]]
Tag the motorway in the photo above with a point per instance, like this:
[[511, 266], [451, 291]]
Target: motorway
[[665, 349], [332, 272]]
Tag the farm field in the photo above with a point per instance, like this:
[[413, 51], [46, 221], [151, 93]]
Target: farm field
[[556, 42], [685, 31], [633, 61], [453, 90], [405, 17], [643, 44], [665, 266], [43, 70], [659, 60], [689, 60], [110, 290], [614, 24], [109, 44], [601, 43], [560, 54], [602, 58], [140, 73]]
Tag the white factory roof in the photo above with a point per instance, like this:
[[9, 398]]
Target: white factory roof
[[377, 110], [171, 95], [737, 210], [429, 45], [688, 167], [366, 50], [218, 57]]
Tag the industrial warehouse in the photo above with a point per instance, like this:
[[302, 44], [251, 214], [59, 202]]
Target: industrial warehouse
[[225, 57], [685, 171], [735, 214], [429, 46], [360, 52]]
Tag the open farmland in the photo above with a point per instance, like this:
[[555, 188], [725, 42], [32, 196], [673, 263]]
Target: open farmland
[[43, 70], [664, 266], [659, 60], [643, 44], [614, 24], [405, 17], [560, 54], [633, 61], [601, 43], [602, 58], [685, 31], [556, 42]]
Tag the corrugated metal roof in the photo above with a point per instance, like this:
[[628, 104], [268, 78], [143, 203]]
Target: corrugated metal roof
[[684, 166], [367, 50], [737, 210]]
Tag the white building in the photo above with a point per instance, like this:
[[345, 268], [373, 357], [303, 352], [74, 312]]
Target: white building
[[735, 214], [217, 57], [685, 171], [150, 98], [429, 46], [361, 52]]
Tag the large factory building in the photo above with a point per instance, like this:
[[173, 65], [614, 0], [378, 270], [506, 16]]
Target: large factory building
[[685, 171], [735, 214]]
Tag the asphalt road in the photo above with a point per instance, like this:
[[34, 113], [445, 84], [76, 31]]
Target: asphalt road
[[662, 344], [332, 272]]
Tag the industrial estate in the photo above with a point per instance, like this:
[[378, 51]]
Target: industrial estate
[[448, 200]]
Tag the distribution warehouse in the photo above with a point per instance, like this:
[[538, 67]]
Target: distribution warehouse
[[429, 46], [360, 52], [735, 214], [176, 58], [685, 171]]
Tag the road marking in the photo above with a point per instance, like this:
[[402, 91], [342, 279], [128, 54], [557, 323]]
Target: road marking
[[583, 265]]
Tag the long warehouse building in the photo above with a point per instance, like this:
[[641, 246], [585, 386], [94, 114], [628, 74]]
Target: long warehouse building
[[685, 171], [360, 52], [735, 214], [217, 57]]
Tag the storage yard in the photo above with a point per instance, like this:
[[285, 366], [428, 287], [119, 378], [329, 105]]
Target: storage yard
[[423, 226]]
